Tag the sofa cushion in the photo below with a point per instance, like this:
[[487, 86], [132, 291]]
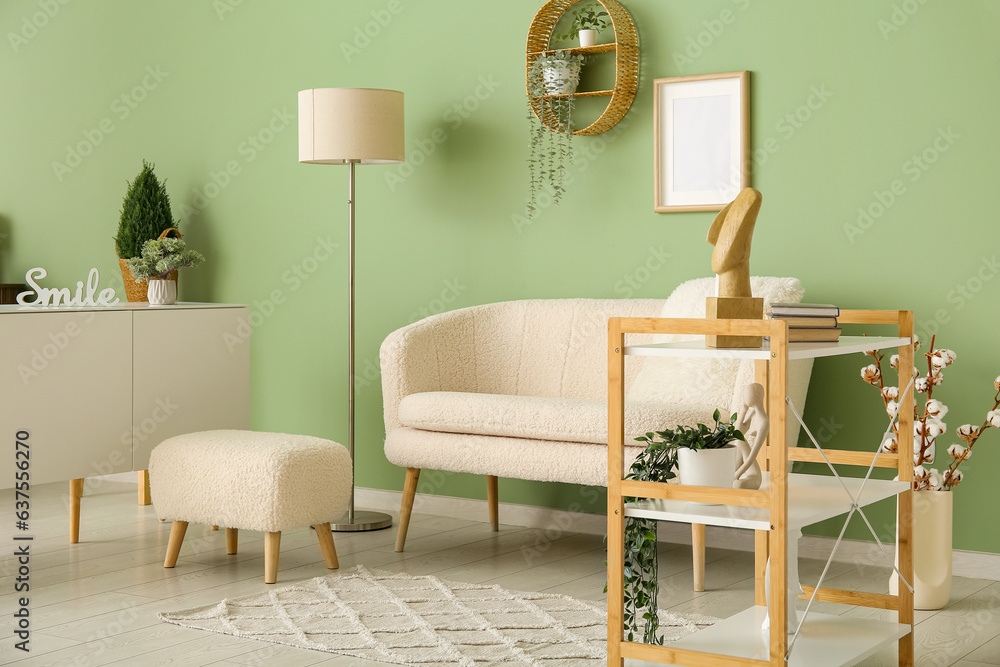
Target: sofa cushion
[[534, 417]]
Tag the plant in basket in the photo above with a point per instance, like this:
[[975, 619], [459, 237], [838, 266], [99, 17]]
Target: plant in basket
[[145, 216], [158, 264]]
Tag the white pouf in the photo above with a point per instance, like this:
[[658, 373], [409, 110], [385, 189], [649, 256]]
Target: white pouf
[[267, 482]]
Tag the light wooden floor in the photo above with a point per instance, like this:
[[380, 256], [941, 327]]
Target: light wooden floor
[[95, 603]]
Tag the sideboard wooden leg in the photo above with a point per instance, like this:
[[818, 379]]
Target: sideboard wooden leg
[[144, 497], [75, 493]]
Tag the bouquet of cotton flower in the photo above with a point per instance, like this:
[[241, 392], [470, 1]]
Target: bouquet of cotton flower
[[928, 424]]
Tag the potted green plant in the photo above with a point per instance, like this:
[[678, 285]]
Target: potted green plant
[[660, 462], [144, 217], [586, 23], [160, 258], [552, 81]]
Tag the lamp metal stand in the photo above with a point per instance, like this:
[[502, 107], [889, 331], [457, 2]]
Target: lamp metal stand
[[363, 520]]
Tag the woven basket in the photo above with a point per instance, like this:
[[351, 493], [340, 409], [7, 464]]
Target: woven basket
[[135, 292], [626, 48]]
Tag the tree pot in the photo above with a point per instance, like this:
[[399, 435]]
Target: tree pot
[[708, 467], [587, 37], [162, 292], [932, 549]]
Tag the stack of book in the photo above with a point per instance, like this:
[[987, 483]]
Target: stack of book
[[808, 322]]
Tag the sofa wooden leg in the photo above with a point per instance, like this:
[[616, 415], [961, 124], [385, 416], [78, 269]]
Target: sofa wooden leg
[[75, 493], [493, 499], [698, 555], [232, 540], [326, 544], [409, 491], [177, 530], [144, 497], [272, 543]]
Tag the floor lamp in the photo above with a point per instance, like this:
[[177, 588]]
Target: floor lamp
[[351, 126]]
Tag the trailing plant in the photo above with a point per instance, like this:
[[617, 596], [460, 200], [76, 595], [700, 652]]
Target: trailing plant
[[552, 82], [928, 419], [589, 17], [145, 213], [658, 463], [160, 257]]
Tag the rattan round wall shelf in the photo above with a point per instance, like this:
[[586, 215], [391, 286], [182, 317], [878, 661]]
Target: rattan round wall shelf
[[625, 46]]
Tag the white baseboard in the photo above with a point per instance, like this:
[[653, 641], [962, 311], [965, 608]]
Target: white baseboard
[[970, 564]]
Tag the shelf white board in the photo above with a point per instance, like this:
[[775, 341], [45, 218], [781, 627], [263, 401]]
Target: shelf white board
[[827, 641], [811, 498], [697, 348]]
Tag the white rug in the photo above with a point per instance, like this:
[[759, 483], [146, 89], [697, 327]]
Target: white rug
[[405, 620]]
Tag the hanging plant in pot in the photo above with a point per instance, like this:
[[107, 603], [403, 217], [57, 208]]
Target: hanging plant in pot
[[932, 502], [552, 81], [661, 461], [145, 216], [588, 22], [160, 258]]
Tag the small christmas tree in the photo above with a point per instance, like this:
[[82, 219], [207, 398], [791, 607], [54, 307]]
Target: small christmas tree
[[145, 213]]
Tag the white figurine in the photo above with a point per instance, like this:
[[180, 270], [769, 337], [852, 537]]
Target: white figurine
[[753, 422]]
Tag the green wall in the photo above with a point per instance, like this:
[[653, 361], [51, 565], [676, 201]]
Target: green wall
[[198, 87]]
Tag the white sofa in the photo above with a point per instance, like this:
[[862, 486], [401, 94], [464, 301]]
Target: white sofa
[[519, 389]]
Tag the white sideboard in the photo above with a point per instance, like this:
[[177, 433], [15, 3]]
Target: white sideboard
[[98, 388]]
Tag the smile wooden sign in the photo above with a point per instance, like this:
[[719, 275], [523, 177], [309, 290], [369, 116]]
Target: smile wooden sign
[[45, 296]]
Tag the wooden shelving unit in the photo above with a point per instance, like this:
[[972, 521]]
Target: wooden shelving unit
[[785, 502]]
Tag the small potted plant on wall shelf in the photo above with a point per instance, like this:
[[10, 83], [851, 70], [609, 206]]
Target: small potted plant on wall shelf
[[158, 264], [552, 82], [587, 22]]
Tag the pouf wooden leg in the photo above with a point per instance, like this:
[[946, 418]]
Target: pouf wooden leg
[[272, 542], [232, 540], [409, 491], [75, 493], [177, 530], [493, 498], [215, 527], [325, 538]]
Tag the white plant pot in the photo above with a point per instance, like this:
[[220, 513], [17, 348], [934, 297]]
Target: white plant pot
[[708, 467], [561, 78], [587, 37], [932, 549], [161, 292]]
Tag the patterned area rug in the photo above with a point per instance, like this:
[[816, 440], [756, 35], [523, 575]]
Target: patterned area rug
[[405, 620]]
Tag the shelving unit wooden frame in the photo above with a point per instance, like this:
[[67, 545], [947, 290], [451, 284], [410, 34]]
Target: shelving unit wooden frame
[[625, 47], [771, 371]]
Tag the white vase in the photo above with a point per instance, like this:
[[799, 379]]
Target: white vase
[[587, 37], [161, 292], [932, 549], [707, 467], [561, 78]]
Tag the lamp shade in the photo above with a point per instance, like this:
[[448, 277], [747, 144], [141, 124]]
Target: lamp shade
[[343, 125]]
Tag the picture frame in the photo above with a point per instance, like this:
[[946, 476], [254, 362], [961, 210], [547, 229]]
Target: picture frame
[[701, 140]]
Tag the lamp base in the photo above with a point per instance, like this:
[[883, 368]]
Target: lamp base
[[363, 521]]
